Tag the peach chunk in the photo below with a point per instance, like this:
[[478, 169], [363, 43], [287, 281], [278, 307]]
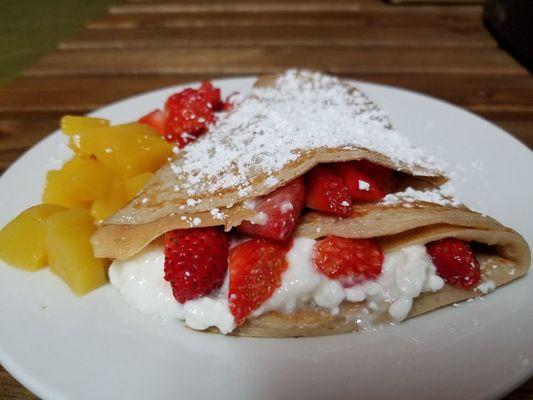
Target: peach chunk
[[54, 194], [70, 254], [74, 125], [134, 185], [84, 179], [115, 199], [22, 241], [128, 149]]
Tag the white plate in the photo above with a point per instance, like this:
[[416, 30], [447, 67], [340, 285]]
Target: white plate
[[96, 347]]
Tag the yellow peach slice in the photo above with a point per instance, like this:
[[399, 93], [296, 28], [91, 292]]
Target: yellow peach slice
[[54, 194], [84, 179], [22, 241], [134, 185], [74, 125], [115, 199], [70, 254], [128, 149]]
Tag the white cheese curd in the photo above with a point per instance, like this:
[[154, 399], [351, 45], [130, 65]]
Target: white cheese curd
[[204, 312], [298, 281], [406, 273], [140, 280]]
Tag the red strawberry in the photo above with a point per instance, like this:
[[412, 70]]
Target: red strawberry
[[211, 95], [281, 209], [156, 120], [196, 261], [255, 273], [366, 181], [455, 261], [351, 261], [187, 114], [326, 191]]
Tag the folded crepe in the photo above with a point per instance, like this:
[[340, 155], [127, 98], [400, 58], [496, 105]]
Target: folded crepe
[[286, 126], [502, 253], [261, 145]]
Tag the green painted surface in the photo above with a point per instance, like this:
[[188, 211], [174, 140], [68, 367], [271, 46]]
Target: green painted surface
[[31, 28]]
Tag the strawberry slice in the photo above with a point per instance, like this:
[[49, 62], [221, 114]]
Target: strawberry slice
[[211, 95], [196, 261], [455, 262], [279, 212], [351, 261], [255, 273], [366, 181], [326, 191], [156, 120], [187, 114]]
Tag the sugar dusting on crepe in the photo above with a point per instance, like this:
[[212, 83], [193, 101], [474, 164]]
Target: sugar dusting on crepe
[[444, 195], [274, 125]]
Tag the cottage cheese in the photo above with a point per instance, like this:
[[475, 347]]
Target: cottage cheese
[[406, 274]]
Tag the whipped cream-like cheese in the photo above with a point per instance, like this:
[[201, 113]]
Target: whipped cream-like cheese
[[406, 274], [140, 280]]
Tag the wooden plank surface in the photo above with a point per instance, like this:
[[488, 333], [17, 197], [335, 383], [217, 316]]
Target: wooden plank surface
[[259, 60], [283, 36], [498, 97], [382, 18], [141, 45]]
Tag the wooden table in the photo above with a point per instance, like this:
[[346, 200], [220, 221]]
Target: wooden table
[[141, 45]]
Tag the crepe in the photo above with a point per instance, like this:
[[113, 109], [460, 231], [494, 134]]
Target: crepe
[[248, 154], [267, 141], [504, 256]]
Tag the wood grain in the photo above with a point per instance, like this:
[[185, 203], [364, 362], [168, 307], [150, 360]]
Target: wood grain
[[463, 19], [261, 60], [141, 45], [283, 36], [498, 97]]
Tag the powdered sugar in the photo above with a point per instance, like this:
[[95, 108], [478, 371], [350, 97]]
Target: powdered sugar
[[275, 125], [444, 195], [486, 286], [362, 185]]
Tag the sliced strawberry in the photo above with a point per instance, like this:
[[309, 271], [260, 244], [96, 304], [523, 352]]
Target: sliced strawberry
[[227, 105], [187, 114], [326, 191], [366, 181], [351, 261], [156, 120], [455, 262], [255, 273], [280, 210], [211, 95], [196, 261]]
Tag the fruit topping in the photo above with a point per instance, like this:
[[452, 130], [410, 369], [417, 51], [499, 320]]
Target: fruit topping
[[83, 179], [134, 185], [211, 95], [187, 114], [278, 212], [196, 261], [455, 262], [255, 273], [73, 124], [351, 261], [22, 241], [156, 120], [69, 250], [327, 192], [366, 181], [128, 149]]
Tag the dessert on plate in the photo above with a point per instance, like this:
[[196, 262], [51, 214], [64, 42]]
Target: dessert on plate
[[301, 212]]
